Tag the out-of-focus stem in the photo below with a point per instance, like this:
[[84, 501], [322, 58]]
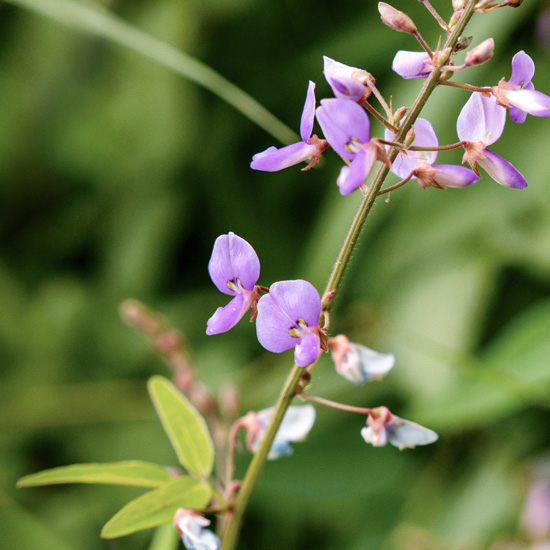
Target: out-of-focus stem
[[289, 390]]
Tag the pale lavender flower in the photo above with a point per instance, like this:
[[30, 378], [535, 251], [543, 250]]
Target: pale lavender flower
[[412, 64], [357, 363], [234, 268], [481, 123], [296, 425], [519, 94], [310, 148], [419, 163], [191, 527], [383, 427], [344, 80], [288, 317], [346, 127]]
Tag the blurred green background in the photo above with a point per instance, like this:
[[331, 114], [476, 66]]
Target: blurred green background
[[116, 176]]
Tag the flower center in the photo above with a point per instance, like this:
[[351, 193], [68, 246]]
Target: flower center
[[353, 145], [235, 285], [299, 331]]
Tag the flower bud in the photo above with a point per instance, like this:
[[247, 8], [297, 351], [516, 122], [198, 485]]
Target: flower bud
[[396, 19], [399, 114], [459, 4], [481, 53], [357, 363], [515, 3]]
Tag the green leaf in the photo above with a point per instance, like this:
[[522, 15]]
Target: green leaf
[[157, 507], [134, 473], [184, 425]]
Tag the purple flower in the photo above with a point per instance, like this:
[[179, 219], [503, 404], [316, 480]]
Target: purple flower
[[481, 123], [295, 426], [288, 317], [345, 81], [346, 127], [357, 363], [191, 527], [234, 268], [419, 163], [519, 93], [383, 427], [412, 64], [310, 148]]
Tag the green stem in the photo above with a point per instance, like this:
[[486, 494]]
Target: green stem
[[289, 390]]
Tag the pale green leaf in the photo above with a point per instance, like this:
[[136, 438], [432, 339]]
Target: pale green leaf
[[184, 425], [134, 473], [157, 507]]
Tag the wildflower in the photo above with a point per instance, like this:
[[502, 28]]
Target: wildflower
[[357, 363], [347, 128], [191, 527], [346, 82], [519, 93], [481, 123], [419, 163], [296, 424], [383, 427], [234, 268], [310, 148], [288, 317], [412, 64]]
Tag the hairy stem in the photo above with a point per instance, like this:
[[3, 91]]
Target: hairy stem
[[289, 390]]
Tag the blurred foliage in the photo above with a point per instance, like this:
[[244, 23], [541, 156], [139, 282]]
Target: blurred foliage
[[116, 176]]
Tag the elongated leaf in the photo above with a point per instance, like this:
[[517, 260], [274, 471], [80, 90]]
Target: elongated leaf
[[99, 21], [134, 473], [157, 507], [184, 425]]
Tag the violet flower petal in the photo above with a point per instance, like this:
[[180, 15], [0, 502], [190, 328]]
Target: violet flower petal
[[225, 318], [308, 114], [353, 176], [502, 171], [233, 259], [530, 101], [273, 159], [411, 64], [450, 175], [523, 70], [404, 433], [308, 350], [516, 114], [424, 136], [340, 80], [343, 122], [195, 536], [281, 309], [481, 119], [363, 364]]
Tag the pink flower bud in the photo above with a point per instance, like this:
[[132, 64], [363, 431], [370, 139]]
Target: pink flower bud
[[396, 19], [481, 53]]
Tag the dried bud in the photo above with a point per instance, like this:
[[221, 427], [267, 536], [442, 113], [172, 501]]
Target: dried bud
[[396, 19], [515, 3], [481, 53], [399, 114], [459, 4]]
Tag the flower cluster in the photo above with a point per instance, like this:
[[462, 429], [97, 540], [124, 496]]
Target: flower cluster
[[347, 130]]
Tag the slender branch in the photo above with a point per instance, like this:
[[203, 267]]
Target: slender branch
[[395, 186], [379, 97], [334, 404], [289, 390], [379, 117], [423, 44], [438, 17], [440, 148], [485, 91]]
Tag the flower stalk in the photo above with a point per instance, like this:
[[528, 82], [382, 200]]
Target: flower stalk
[[294, 378]]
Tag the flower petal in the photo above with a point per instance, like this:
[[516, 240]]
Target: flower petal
[[411, 64], [340, 80], [225, 318], [308, 113], [502, 171], [523, 70], [530, 101], [404, 433], [375, 438], [308, 350], [233, 259], [342, 121], [273, 159], [450, 175], [353, 176], [481, 119]]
